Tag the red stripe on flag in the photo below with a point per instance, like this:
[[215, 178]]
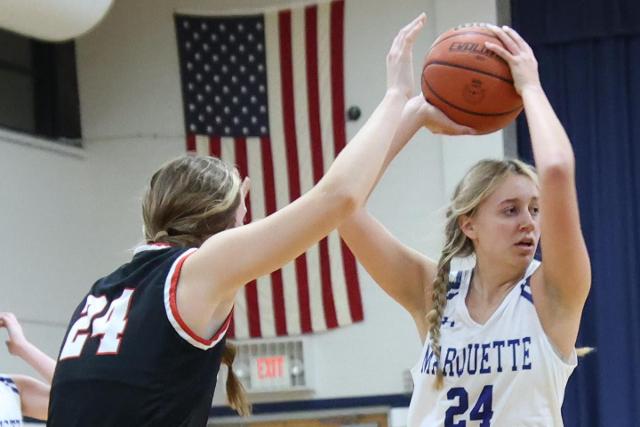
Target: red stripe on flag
[[288, 112], [313, 98], [337, 77], [215, 147], [327, 292], [337, 85], [353, 286], [277, 291], [191, 142], [250, 290]]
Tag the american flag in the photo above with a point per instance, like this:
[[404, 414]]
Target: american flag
[[265, 92]]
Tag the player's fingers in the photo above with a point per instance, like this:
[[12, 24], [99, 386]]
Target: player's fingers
[[414, 28], [447, 126], [396, 46], [509, 43], [454, 129], [500, 51], [517, 38], [418, 20], [407, 34]]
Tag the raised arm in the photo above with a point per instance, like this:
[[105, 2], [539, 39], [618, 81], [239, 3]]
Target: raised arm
[[566, 272], [18, 345], [34, 394], [230, 259], [403, 273]]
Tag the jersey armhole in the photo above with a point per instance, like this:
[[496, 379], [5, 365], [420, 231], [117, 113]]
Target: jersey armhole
[[569, 362], [171, 309]]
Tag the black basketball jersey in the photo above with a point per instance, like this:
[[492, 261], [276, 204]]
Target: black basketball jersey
[[128, 359]]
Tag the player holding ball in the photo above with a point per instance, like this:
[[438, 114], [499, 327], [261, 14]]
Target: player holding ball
[[499, 336]]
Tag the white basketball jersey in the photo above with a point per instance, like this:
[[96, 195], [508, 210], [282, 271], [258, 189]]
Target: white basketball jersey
[[10, 408], [504, 373]]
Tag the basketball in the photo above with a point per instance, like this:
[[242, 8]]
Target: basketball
[[468, 82]]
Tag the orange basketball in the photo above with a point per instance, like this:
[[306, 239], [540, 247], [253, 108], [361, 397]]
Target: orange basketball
[[468, 82]]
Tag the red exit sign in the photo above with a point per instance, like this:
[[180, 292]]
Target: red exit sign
[[270, 367], [270, 372]]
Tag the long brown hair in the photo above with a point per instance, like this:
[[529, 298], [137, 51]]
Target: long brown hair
[[188, 200]]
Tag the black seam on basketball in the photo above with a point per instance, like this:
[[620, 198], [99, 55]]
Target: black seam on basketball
[[448, 64], [466, 32], [462, 109]]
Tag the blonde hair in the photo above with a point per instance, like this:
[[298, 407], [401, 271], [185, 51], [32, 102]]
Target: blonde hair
[[188, 200], [478, 184], [474, 188]]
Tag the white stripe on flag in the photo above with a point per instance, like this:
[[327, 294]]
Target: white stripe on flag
[[276, 133], [228, 150], [240, 322], [338, 280], [258, 211], [303, 141], [202, 145]]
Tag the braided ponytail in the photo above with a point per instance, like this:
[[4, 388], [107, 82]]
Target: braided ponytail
[[457, 244]]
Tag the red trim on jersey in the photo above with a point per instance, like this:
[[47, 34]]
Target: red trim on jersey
[[174, 309]]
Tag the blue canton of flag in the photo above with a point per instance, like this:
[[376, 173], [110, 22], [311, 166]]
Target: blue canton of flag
[[224, 75]]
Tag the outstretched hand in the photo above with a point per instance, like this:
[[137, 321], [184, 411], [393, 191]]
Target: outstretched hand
[[433, 119], [519, 55], [400, 58], [17, 340]]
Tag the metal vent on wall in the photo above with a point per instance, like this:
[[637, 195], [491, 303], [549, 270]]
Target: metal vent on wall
[[272, 365]]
